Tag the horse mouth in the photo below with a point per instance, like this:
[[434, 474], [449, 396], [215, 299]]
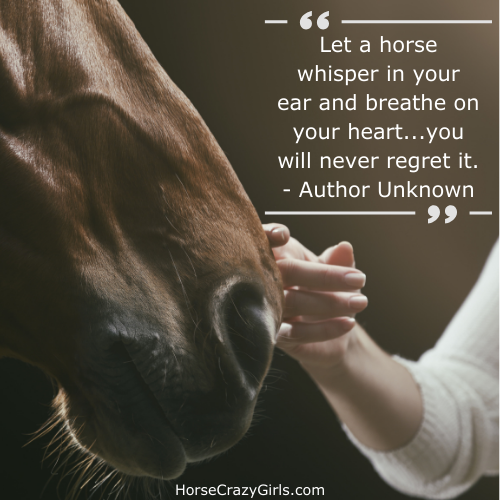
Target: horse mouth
[[123, 423], [148, 402]]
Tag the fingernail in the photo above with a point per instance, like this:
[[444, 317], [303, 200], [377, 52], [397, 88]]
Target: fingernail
[[279, 232], [345, 243], [356, 280], [348, 323], [358, 302], [284, 330]]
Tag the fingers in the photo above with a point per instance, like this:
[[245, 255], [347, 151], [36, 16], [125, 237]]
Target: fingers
[[339, 255], [304, 333], [319, 276], [277, 234], [323, 305]]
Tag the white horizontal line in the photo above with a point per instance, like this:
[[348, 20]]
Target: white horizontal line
[[287, 190], [409, 21], [480, 213], [275, 21], [338, 213]]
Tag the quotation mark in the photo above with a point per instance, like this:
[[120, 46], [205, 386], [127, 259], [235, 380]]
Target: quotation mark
[[323, 23], [434, 213]]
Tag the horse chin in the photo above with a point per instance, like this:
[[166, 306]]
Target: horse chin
[[144, 448]]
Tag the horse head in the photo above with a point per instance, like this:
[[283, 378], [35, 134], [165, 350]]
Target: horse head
[[134, 269]]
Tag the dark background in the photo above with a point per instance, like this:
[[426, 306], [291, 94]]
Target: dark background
[[234, 68]]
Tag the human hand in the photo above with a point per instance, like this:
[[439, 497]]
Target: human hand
[[321, 298]]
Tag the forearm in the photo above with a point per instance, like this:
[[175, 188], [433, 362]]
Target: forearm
[[375, 396]]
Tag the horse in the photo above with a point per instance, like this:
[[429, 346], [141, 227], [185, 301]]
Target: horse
[[133, 267]]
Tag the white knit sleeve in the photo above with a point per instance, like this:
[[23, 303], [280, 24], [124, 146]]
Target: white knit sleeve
[[457, 441]]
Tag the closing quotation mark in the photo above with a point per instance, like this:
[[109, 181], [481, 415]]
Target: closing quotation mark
[[323, 23], [451, 212], [434, 213]]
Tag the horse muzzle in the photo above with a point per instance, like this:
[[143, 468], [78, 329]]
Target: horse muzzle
[[149, 401]]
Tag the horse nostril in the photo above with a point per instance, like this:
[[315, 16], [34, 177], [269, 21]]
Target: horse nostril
[[250, 329]]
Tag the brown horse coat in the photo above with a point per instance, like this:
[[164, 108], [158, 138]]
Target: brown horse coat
[[133, 266]]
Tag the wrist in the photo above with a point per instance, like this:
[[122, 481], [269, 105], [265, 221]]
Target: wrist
[[342, 364], [376, 397]]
